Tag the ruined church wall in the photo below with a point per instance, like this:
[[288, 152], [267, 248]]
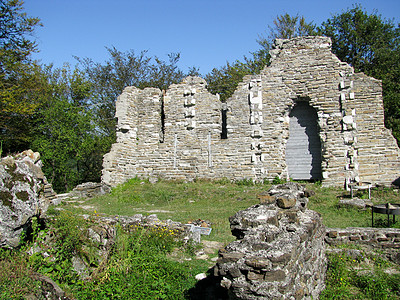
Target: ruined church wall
[[377, 151], [138, 135], [310, 72], [192, 127], [176, 134], [236, 152], [355, 145]]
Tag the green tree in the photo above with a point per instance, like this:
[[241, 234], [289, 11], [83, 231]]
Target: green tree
[[164, 73], [224, 80], [19, 77], [66, 136], [124, 69], [285, 27], [109, 79], [370, 44]]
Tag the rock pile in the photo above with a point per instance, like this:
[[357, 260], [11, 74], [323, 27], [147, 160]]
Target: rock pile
[[81, 191], [279, 252], [22, 195]]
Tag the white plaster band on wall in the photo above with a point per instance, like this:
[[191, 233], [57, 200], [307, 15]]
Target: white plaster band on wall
[[210, 164], [175, 148]]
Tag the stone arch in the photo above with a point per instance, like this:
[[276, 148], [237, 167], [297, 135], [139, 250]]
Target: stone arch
[[303, 148]]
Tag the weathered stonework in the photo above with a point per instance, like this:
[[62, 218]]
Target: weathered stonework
[[24, 194], [187, 133], [384, 240], [279, 252]]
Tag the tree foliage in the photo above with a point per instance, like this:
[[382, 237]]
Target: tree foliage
[[15, 27], [371, 45], [19, 83], [285, 27], [361, 39], [124, 69], [65, 134], [225, 79]]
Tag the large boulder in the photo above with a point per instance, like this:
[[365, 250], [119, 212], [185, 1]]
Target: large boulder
[[279, 252], [22, 189]]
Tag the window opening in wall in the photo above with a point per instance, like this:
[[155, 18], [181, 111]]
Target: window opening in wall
[[224, 130], [303, 149], [162, 115]]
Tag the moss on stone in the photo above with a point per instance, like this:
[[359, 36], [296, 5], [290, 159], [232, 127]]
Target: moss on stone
[[23, 195], [6, 198]]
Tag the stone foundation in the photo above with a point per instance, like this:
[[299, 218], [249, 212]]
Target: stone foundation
[[279, 252], [384, 240]]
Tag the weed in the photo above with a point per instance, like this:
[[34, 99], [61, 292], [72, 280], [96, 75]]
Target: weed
[[245, 182], [15, 275], [354, 278], [223, 181], [278, 180], [139, 269]]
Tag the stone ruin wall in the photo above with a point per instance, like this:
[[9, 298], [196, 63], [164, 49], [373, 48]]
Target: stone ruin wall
[[279, 251], [176, 134]]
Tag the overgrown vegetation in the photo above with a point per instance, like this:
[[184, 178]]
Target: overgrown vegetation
[[137, 265], [139, 268], [140, 261], [357, 275]]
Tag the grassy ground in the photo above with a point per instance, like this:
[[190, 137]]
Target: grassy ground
[[217, 201], [326, 202], [181, 202], [349, 277]]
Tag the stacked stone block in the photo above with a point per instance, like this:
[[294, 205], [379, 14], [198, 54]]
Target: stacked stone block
[[176, 134], [383, 240], [279, 252]]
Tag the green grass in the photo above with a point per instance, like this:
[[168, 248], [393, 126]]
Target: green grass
[[178, 201], [140, 269], [326, 202], [141, 261], [217, 201], [361, 276], [15, 277]]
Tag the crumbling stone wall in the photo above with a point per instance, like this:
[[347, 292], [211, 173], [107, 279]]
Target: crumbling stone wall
[[279, 252], [187, 133], [384, 240]]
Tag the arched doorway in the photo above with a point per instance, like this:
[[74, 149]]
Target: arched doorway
[[303, 149]]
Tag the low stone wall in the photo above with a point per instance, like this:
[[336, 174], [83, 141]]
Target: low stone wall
[[279, 252], [386, 240], [150, 221], [89, 190]]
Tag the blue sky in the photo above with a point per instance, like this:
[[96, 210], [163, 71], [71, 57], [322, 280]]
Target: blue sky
[[207, 33]]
